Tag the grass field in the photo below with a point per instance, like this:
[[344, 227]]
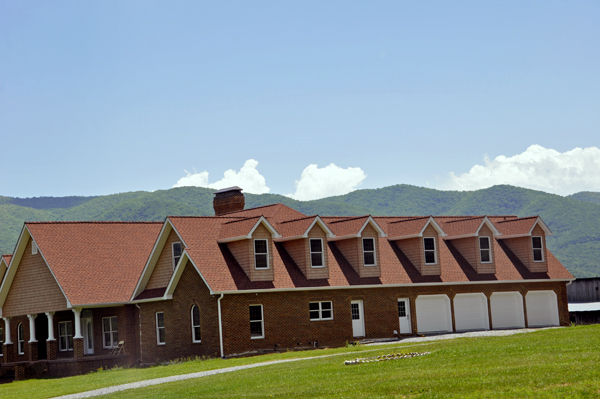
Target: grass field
[[551, 363]]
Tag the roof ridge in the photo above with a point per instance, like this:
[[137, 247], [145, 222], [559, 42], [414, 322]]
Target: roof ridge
[[251, 209], [244, 219], [469, 218], [517, 219], [350, 218], [95, 222], [410, 220], [295, 220]]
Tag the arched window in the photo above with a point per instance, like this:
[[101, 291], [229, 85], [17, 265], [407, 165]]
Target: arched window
[[21, 339], [195, 323]]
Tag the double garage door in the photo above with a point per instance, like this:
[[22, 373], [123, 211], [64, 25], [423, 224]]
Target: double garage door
[[434, 313]]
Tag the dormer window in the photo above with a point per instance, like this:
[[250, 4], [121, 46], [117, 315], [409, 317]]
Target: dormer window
[[369, 251], [429, 245], [485, 251], [538, 253], [261, 254], [176, 253], [316, 252]]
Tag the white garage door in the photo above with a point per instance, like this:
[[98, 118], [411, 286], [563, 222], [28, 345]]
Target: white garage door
[[471, 312], [542, 309], [507, 310], [433, 313]]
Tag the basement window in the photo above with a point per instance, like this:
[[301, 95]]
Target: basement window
[[257, 325], [65, 336], [321, 310], [110, 332], [538, 253], [196, 337], [20, 339], [160, 328], [485, 252], [429, 245], [261, 254], [316, 252], [176, 253]]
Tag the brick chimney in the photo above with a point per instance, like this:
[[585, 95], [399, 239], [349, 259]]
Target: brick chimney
[[228, 199]]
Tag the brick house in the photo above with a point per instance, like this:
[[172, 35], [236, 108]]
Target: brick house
[[262, 279]]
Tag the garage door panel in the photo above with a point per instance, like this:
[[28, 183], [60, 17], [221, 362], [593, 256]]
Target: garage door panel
[[542, 309], [507, 310], [433, 313], [471, 312]]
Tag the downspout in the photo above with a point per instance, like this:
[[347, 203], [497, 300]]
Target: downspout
[[140, 323], [220, 326]]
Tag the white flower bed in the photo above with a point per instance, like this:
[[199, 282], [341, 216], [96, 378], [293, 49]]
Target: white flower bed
[[391, 356]]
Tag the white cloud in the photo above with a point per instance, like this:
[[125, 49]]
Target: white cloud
[[537, 168], [331, 180], [247, 178]]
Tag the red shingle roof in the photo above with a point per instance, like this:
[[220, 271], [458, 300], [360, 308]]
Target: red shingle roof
[[514, 227], [96, 262], [222, 272]]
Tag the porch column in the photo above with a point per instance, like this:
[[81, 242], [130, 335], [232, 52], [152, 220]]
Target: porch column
[[33, 343], [51, 344], [8, 346], [50, 316], [77, 312], [31, 318], [78, 338], [7, 340]]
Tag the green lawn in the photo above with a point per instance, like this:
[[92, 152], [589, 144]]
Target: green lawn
[[546, 364]]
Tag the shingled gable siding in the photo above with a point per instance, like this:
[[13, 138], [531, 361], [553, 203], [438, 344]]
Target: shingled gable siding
[[190, 291], [164, 266], [522, 248], [414, 250], [299, 250], [352, 249], [243, 252], [287, 322], [469, 249], [33, 276]]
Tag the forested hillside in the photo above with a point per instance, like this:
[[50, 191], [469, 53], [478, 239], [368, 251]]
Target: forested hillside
[[575, 220]]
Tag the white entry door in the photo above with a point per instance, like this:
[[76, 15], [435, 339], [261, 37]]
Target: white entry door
[[88, 336], [358, 319], [404, 316]]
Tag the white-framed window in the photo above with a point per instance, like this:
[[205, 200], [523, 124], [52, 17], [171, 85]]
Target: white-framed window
[[485, 250], [369, 251], [261, 254], [316, 252], [538, 249], [1, 338], [429, 246], [65, 336], [177, 250], [20, 339], [34, 248], [110, 331], [195, 317], [160, 328], [321, 310], [257, 324]]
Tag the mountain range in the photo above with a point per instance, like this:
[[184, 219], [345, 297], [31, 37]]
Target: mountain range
[[574, 220]]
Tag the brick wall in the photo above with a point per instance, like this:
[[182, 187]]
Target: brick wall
[[177, 316], [287, 323]]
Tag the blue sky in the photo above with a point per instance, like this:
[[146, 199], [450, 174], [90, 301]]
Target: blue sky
[[114, 96]]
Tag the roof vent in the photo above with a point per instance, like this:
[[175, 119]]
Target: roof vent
[[228, 200]]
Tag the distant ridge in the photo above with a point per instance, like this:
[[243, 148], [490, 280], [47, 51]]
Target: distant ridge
[[575, 220]]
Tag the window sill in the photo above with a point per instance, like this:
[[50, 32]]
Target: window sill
[[263, 337], [371, 265], [317, 267], [161, 343], [196, 342]]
